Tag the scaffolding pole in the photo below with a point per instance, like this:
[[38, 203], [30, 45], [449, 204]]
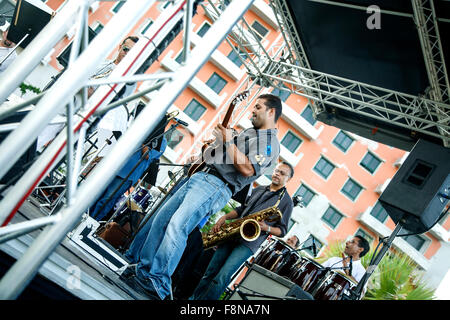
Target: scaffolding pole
[[52, 33], [97, 104], [69, 83], [21, 273]]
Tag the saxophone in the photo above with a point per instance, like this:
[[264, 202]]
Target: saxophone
[[247, 227]]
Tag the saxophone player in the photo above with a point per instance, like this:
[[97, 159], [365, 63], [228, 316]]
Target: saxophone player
[[230, 255]]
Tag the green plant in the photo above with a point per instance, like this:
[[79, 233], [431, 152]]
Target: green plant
[[28, 87]]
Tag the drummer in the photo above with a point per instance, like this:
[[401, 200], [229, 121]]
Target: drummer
[[230, 255], [350, 260]]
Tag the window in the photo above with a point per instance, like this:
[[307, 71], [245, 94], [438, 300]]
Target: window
[[305, 193], [370, 162], [343, 141], [364, 234], [324, 167], [147, 25], [259, 29], [234, 57], [284, 95], [194, 110], [309, 243], [179, 57], [290, 224], [379, 213], [308, 115], [351, 189], [175, 138], [97, 27], [204, 28], [332, 217], [415, 241], [117, 6], [291, 141], [216, 83]]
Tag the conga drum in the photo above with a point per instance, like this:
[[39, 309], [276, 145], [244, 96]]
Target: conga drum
[[307, 274], [333, 286]]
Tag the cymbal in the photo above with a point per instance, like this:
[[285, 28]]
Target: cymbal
[[162, 190]]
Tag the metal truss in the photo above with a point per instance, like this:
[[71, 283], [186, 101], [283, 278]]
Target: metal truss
[[79, 197], [427, 115], [428, 30]]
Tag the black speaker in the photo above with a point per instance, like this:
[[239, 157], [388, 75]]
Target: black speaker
[[63, 57], [30, 17], [262, 284], [419, 191]]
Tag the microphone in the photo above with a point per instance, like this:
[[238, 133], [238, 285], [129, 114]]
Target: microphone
[[314, 248], [183, 123], [351, 266]]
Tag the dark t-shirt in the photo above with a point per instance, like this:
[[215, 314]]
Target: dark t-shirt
[[263, 198], [261, 147]]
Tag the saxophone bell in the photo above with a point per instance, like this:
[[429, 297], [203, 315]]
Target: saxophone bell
[[250, 230]]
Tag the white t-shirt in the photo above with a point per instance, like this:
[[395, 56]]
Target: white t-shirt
[[3, 53], [358, 270]]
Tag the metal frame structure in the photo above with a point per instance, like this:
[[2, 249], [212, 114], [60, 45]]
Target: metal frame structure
[[66, 87], [284, 62], [422, 114]]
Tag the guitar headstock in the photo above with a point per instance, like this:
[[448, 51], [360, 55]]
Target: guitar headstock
[[241, 97]]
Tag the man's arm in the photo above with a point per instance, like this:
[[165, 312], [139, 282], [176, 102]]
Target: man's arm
[[230, 215], [240, 160]]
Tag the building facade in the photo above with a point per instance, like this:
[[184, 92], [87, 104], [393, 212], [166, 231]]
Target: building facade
[[339, 175]]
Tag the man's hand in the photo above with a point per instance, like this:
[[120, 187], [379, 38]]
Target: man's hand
[[144, 150], [223, 134], [219, 224]]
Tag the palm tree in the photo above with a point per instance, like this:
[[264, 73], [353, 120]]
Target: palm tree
[[395, 278]]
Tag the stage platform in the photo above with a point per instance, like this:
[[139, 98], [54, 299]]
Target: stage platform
[[70, 267]]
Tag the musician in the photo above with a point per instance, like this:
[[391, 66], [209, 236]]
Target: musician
[[133, 170], [117, 118], [158, 247], [230, 255], [6, 46], [355, 249], [293, 242]]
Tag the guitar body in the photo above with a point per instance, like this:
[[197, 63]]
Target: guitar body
[[199, 166]]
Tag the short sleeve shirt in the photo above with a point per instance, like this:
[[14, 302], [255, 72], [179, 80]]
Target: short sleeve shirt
[[261, 147]]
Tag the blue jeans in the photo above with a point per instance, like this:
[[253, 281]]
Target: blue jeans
[[225, 262], [158, 247]]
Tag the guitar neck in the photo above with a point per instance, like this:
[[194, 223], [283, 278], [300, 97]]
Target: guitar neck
[[227, 117]]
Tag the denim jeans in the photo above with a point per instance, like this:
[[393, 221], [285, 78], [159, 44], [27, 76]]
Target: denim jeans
[[158, 247], [225, 262]]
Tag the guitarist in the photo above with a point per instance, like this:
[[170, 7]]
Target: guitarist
[[237, 161]]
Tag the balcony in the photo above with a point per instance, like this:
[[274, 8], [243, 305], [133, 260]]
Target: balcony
[[300, 123], [196, 85], [265, 12], [221, 61], [400, 161], [171, 155], [193, 127], [380, 188], [383, 231], [439, 232]]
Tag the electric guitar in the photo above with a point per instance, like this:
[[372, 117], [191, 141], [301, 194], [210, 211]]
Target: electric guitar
[[200, 165]]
